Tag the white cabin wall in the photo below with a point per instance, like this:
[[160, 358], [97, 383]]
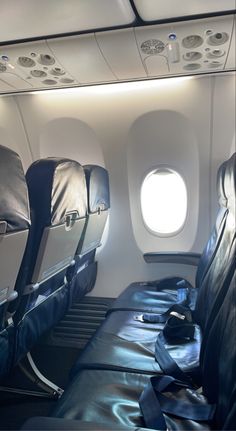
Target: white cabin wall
[[12, 130], [99, 125]]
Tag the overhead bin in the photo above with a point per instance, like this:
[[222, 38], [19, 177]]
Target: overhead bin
[[43, 18], [154, 10], [161, 50]]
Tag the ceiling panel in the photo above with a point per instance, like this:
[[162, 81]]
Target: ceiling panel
[[188, 47], [4, 87], [120, 49], [153, 10], [22, 19], [81, 56]]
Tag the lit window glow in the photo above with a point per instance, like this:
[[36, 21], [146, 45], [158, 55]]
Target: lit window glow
[[164, 201]]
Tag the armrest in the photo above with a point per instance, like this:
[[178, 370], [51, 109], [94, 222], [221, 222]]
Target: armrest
[[173, 257], [61, 424]]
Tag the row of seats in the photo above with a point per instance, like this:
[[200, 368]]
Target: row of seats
[[165, 356], [51, 223]]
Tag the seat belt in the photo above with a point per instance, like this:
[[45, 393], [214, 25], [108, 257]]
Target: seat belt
[[179, 326], [153, 404], [176, 309]]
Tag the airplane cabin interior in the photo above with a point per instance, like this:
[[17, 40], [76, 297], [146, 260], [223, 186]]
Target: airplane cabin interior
[[117, 215]]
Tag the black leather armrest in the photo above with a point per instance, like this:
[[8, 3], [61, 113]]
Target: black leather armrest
[[173, 257], [60, 424]]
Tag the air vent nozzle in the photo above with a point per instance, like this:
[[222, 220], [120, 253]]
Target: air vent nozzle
[[46, 59], [49, 82], [38, 73], [192, 56], [26, 61], [192, 41], [218, 39]]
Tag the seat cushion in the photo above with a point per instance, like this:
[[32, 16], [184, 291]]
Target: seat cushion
[[147, 296], [56, 424], [111, 398], [125, 343]]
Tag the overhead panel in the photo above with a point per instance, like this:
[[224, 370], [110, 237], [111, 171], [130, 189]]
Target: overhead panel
[[33, 18], [182, 48], [81, 56], [120, 49], [32, 66], [153, 10], [185, 47], [4, 87]]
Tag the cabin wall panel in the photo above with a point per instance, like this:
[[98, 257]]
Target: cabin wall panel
[[12, 132], [99, 125]]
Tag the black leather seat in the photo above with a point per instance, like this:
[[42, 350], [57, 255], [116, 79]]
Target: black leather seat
[[112, 397], [124, 343], [82, 275], [58, 202], [14, 228], [158, 296]]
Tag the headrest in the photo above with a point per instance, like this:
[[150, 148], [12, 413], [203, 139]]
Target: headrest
[[230, 182], [56, 187], [98, 188], [14, 204], [220, 185]]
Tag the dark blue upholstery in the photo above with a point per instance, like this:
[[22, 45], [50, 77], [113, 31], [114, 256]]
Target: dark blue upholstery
[[14, 222], [57, 188], [82, 276], [116, 366], [122, 342], [111, 397]]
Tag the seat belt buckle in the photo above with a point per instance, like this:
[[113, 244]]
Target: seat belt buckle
[[139, 318], [178, 315]]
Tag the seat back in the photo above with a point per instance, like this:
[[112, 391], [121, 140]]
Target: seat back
[[223, 258], [212, 244], [57, 193], [97, 181], [14, 223], [218, 362]]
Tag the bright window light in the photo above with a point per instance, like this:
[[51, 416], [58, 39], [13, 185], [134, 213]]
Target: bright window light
[[164, 201]]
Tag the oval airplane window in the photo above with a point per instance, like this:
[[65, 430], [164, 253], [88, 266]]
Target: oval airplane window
[[164, 201]]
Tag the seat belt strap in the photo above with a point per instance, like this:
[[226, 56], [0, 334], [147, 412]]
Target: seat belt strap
[[167, 363], [153, 404]]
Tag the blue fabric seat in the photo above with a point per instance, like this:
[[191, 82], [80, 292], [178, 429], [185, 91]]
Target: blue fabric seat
[[14, 228], [112, 397], [125, 342], [58, 203], [82, 276]]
